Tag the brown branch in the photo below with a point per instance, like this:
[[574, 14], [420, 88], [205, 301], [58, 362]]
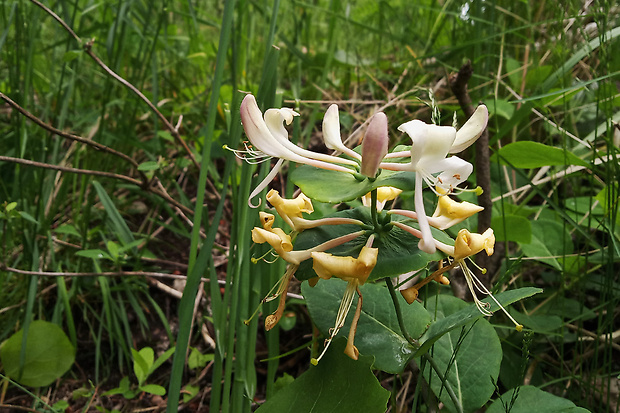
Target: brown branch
[[71, 170], [89, 142], [128, 179], [87, 47], [458, 84], [98, 274]]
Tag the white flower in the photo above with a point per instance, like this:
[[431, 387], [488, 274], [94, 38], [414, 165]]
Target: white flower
[[270, 139], [430, 146]]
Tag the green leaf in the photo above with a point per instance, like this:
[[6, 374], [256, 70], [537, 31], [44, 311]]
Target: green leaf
[[68, 229], [113, 249], [148, 166], [500, 107], [189, 392], [470, 313], [10, 206], [153, 389], [531, 399], [398, 249], [469, 358], [71, 55], [527, 154], [378, 333], [549, 241], [28, 217], [336, 384], [162, 359], [95, 254], [142, 362], [197, 360], [512, 228], [333, 186], [49, 354]]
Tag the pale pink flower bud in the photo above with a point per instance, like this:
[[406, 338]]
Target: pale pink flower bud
[[375, 144]]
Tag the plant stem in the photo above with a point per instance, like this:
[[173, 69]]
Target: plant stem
[[373, 209], [414, 343]]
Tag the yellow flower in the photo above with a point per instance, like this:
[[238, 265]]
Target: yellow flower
[[450, 212], [355, 271], [384, 194], [291, 212], [346, 268], [281, 242], [290, 209], [468, 244]]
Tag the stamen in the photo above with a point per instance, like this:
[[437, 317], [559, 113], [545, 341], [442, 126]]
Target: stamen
[[345, 306]]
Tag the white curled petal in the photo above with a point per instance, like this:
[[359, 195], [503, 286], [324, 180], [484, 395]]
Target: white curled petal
[[454, 170], [471, 130], [274, 119], [331, 128], [256, 129], [431, 143], [331, 132]]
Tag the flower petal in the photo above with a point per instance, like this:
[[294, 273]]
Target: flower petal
[[331, 132], [471, 130]]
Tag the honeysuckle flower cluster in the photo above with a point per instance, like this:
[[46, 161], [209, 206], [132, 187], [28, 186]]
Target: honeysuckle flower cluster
[[428, 157]]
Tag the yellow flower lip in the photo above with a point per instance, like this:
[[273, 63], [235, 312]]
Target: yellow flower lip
[[290, 209], [384, 194], [348, 269], [450, 212], [468, 244]]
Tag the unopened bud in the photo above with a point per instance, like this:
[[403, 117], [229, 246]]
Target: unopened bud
[[375, 144]]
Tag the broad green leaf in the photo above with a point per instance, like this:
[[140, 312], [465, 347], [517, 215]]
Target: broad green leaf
[[162, 359], [550, 241], [10, 206], [113, 249], [469, 358], [336, 384], [197, 360], [540, 323], [528, 154], [68, 229], [470, 313], [153, 389], [49, 354], [378, 332], [398, 250], [512, 228], [28, 217], [71, 55], [94, 254], [148, 166], [142, 362], [500, 107], [189, 392], [333, 186], [531, 399]]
